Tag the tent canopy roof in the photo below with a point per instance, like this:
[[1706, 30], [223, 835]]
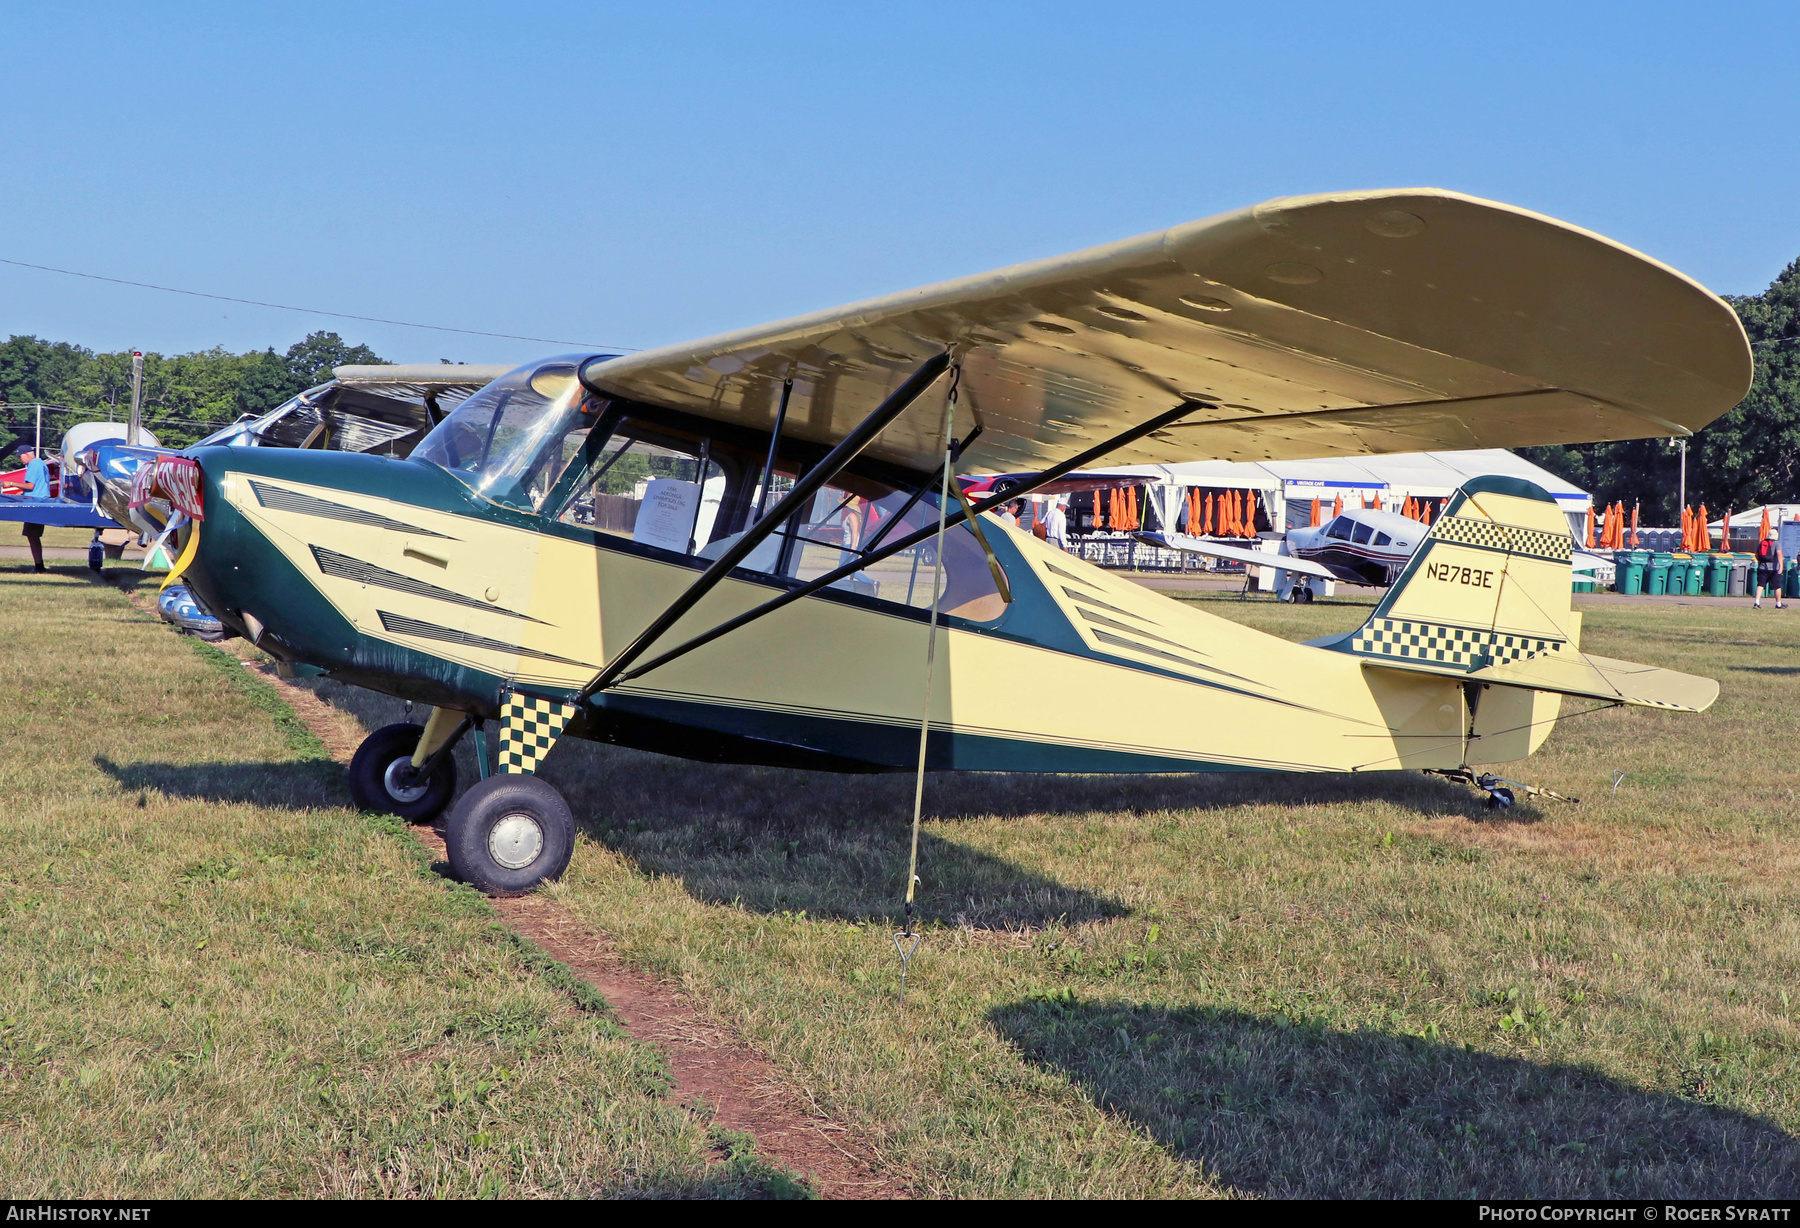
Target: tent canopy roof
[[1416, 473]]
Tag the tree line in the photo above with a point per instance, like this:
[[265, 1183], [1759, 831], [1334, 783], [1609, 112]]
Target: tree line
[[186, 396], [1749, 456]]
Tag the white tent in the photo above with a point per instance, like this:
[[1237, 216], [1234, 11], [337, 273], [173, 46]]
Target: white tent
[[1391, 479]]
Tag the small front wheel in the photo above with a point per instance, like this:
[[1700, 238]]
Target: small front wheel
[[382, 777], [1500, 799], [510, 833]]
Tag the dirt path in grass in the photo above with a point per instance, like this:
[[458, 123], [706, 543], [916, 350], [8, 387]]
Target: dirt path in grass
[[744, 1092]]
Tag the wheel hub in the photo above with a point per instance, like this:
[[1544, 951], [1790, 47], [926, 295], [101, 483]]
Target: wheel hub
[[402, 784], [515, 841]]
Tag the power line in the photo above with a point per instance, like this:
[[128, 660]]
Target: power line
[[336, 315]]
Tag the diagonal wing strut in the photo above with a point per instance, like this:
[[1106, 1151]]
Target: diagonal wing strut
[[905, 543], [846, 451]]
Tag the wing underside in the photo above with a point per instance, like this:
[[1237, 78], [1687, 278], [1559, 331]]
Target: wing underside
[[1345, 324]]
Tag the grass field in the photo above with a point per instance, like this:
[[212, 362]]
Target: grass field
[[217, 980]]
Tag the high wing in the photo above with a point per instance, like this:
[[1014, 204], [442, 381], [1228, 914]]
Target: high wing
[[1341, 324], [1236, 554]]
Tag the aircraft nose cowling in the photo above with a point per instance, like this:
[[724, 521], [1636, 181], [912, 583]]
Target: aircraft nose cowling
[[246, 579], [271, 512]]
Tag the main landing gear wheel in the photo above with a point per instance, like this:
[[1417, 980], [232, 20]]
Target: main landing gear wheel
[[382, 777], [510, 833]]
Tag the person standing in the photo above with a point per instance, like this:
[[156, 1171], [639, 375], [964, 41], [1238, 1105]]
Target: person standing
[[37, 486], [1056, 531], [1769, 566]]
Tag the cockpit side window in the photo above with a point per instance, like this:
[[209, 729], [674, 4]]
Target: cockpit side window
[[1340, 528], [854, 515], [682, 484], [654, 485], [1362, 532]]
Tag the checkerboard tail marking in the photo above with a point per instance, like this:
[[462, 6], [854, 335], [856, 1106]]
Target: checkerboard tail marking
[[529, 727]]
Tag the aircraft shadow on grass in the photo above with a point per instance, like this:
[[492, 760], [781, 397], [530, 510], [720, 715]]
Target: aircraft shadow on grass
[[781, 840], [775, 839], [1784, 670], [293, 785], [1287, 1109]]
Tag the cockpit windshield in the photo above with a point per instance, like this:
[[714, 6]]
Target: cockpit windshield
[[508, 441]]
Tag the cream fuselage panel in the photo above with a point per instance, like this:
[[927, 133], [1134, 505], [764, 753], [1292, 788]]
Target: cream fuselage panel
[[1199, 687]]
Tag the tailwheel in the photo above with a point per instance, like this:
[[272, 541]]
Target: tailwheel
[[1501, 799], [382, 778], [510, 833]]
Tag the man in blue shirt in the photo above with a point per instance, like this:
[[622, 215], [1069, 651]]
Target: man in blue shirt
[[37, 486]]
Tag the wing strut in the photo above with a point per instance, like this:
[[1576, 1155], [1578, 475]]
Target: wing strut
[[910, 540], [846, 451]]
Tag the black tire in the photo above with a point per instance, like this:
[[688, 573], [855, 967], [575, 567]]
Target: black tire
[[510, 833], [1500, 799], [376, 774], [1305, 595]]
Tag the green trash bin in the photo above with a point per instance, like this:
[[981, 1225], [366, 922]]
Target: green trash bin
[[1718, 574], [1696, 575], [1628, 571], [1791, 581], [1656, 578], [1678, 572]]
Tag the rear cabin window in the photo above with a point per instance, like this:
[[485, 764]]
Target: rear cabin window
[[1382, 539]]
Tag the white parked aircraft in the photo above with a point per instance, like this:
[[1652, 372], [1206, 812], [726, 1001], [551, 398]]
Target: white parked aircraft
[[1357, 546]]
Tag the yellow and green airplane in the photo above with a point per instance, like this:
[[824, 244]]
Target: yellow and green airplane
[[751, 549]]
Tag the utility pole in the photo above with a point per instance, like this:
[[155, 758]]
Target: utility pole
[[40, 430], [137, 398], [1681, 499]]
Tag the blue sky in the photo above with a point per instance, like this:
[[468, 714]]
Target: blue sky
[[634, 175]]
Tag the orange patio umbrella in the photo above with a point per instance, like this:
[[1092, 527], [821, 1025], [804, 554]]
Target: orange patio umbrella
[[1763, 534], [1592, 544], [1315, 514], [1206, 519], [1634, 523], [1337, 506], [1702, 530]]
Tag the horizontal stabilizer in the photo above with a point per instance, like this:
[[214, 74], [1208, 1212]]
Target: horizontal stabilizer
[[1486, 599], [1590, 677], [1236, 554]]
